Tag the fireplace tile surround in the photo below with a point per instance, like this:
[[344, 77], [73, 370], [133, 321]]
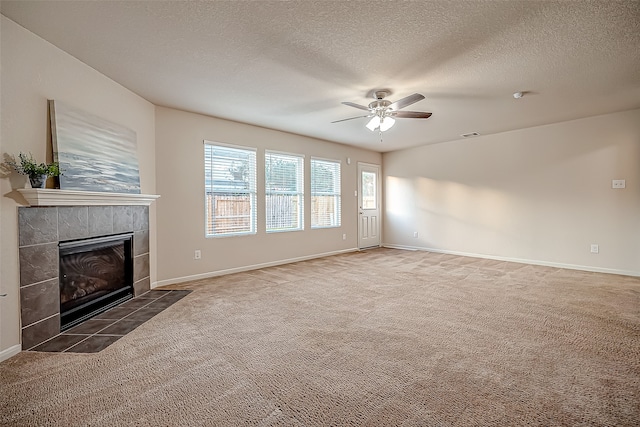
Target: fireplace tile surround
[[40, 231]]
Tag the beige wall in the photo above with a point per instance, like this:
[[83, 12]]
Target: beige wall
[[181, 212], [541, 194], [33, 71]]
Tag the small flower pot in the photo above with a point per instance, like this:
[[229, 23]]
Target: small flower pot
[[37, 181]]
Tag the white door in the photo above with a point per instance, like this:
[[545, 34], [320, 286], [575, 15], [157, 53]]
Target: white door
[[369, 205]]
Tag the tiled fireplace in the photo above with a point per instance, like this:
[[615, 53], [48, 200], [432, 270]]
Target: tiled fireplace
[[42, 229]]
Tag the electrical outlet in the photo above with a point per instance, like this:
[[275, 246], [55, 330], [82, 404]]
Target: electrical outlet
[[344, 237], [197, 254], [618, 183], [415, 234], [595, 249]]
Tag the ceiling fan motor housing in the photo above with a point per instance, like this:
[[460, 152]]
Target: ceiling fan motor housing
[[381, 104]]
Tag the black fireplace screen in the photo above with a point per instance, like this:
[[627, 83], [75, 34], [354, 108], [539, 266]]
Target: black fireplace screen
[[95, 275]]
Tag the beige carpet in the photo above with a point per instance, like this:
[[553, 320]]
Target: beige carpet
[[379, 338]]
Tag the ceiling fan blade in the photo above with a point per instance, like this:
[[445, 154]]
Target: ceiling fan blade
[[361, 107], [411, 114], [351, 118], [406, 101]]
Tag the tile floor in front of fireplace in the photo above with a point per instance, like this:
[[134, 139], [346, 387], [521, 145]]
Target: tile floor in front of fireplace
[[99, 332]]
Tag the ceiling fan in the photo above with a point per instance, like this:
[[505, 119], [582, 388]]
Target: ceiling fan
[[384, 112]]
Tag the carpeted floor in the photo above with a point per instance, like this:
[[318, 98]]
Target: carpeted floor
[[377, 338]]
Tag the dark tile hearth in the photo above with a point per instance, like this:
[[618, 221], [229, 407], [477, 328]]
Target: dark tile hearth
[[98, 333]]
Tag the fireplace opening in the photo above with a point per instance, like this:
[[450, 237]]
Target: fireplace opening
[[95, 275]]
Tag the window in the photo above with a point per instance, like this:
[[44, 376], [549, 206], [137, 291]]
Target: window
[[325, 193], [230, 190], [369, 186], [284, 187]]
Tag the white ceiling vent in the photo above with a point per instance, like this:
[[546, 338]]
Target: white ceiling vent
[[469, 135]]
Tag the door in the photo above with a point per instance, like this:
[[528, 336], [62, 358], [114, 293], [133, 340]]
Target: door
[[369, 205]]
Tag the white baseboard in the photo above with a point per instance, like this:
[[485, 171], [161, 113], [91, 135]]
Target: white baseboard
[[246, 268], [521, 261], [10, 352]]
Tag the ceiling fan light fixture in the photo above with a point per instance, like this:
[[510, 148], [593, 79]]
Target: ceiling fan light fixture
[[386, 124], [382, 112], [373, 123]]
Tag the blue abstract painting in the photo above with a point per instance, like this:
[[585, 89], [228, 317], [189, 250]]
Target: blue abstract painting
[[94, 154]]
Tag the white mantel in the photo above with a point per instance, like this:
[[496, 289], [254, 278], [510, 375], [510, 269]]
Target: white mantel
[[54, 197]]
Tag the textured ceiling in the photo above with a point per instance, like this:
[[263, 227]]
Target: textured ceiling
[[288, 65]]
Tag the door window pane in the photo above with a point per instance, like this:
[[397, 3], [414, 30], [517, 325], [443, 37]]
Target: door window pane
[[369, 190]]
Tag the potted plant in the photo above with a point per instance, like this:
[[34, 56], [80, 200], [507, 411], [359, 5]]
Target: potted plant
[[37, 172]]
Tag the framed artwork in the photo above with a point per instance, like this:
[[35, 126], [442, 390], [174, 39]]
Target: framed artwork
[[94, 154]]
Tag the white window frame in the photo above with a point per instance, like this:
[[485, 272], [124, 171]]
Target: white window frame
[[336, 193], [210, 188], [298, 192]]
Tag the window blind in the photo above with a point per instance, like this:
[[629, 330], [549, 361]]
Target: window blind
[[325, 194], [284, 190], [230, 190]]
